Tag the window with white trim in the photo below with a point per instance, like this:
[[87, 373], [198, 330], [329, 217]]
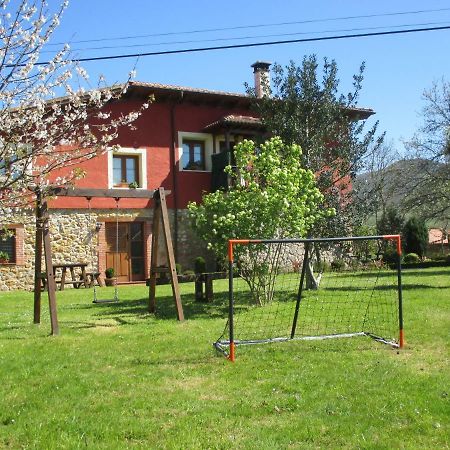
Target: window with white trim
[[195, 150], [127, 167]]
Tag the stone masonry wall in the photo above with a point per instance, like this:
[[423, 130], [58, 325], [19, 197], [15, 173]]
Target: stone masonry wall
[[74, 239]]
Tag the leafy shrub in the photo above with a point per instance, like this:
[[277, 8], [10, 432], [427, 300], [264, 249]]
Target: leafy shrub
[[4, 256], [199, 265], [390, 256], [109, 272], [337, 264], [411, 258], [178, 268]]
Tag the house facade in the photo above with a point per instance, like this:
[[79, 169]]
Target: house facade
[[181, 142]]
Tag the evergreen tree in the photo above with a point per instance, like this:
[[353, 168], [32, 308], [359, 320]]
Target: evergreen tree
[[415, 235]]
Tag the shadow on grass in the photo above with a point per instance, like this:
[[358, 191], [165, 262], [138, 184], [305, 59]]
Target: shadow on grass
[[405, 287], [165, 308]]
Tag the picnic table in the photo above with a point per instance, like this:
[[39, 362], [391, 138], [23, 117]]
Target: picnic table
[[77, 273]]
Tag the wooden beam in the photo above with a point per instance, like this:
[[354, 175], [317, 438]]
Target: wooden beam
[[38, 260], [106, 193], [169, 253], [51, 284]]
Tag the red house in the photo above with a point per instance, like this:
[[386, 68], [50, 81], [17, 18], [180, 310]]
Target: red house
[[180, 143]]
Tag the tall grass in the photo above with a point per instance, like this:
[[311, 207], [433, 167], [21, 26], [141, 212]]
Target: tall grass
[[119, 377]]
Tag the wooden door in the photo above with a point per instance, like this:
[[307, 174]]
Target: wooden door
[[125, 250], [117, 249]]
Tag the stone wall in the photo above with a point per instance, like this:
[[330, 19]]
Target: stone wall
[[74, 238]]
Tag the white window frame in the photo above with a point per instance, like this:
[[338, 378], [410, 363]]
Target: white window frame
[[141, 153], [206, 138]]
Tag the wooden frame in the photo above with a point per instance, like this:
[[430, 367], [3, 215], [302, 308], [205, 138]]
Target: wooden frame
[[123, 168], [191, 143], [43, 243]]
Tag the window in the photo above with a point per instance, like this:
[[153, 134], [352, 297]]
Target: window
[[193, 157], [127, 166], [125, 170], [8, 246], [195, 150]]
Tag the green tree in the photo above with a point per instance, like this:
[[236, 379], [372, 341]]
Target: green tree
[[391, 222], [272, 196], [415, 235], [305, 108]]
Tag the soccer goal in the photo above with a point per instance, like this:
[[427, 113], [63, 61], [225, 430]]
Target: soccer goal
[[281, 290]]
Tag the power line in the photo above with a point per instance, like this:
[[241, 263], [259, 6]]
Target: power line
[[240, 38], [249, 45], [264, 25]]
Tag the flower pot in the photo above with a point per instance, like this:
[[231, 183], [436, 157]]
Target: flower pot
[[110, 282]]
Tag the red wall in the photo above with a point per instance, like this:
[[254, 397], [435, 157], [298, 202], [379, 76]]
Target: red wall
[[154, 133]]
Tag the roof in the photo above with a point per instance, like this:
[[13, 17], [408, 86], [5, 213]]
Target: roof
[[168, 91], [233, 121]]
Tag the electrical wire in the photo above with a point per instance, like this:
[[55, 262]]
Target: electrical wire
[[248, 45], [264, 25], [240, 38]]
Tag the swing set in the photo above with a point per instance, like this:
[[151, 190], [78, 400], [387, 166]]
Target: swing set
[[43, 247]]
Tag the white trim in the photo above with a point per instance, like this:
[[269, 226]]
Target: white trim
[[209, 147], [222, 138], [141, 153]]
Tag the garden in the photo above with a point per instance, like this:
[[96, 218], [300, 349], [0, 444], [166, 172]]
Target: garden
[[119, 377]]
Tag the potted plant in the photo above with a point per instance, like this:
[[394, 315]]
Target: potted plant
[[4, 258], [110, 280], [133, 185]]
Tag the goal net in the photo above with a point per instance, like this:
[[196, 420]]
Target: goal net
[[281, 290]]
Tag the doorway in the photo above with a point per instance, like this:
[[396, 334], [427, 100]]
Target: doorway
[[125, 250]]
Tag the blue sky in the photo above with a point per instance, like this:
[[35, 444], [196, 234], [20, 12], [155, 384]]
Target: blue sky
[[398, 68]]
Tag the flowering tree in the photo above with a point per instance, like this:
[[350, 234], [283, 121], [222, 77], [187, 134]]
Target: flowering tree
[[271, 196], [48, 119]]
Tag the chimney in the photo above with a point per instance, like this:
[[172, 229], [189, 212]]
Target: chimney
[[262, 78]]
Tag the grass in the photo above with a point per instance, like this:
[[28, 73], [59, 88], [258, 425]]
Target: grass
[[118, 377]]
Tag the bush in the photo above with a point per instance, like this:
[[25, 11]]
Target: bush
[[411, 258], [415, 235], [337, 264], [199, 265], [178, 268], [390, 256], [109, 272], [447, 258]]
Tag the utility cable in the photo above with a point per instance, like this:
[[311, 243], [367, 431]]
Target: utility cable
[[249, 45]]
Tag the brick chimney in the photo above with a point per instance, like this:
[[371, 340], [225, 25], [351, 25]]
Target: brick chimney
[[261, 70]]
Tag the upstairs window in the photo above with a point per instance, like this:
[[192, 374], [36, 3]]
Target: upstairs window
[[125, 170], [193, 157]]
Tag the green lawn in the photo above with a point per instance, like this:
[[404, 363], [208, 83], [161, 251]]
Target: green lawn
[[118, 377]]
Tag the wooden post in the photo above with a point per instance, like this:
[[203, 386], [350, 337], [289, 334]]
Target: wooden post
[[154, 255], [160, 212], [51, 284], [38, 260]]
